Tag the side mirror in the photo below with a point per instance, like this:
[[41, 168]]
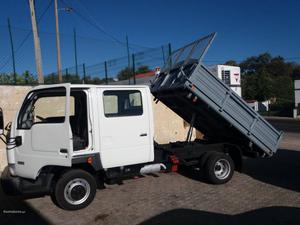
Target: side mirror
[[1, 122]]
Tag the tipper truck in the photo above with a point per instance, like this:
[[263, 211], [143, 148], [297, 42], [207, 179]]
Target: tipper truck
[[68, 140]]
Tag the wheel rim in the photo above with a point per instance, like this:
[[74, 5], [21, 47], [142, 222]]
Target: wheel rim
[[77, 191], [222, 169]]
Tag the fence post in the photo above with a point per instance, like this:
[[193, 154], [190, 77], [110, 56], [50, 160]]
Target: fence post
[[163, 54], [67, 78], [170, 53], [53, 78], [133, 69], [75, 51], [105, 68], [83, 66]]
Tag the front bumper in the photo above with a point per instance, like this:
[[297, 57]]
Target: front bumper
[[12, 185]]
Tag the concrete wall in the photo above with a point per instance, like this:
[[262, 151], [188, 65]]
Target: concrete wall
[[168, 126], [10, 99]]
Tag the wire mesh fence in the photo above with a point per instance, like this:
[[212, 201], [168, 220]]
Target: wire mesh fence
[[17, 55], [123, 70]]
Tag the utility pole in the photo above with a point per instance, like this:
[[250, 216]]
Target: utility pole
[[12, 51], [37, 47], [75, 50], [59, 72]]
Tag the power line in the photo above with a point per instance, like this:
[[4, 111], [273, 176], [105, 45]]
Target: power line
[[86, 9], [70, 35], [28, 34], [95, 24]]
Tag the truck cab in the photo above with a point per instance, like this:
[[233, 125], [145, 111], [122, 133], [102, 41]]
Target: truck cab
[[60, 123], [64, 126]]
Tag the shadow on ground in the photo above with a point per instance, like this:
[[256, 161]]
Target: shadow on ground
[[14, 210], [281, 170], [265, 216]]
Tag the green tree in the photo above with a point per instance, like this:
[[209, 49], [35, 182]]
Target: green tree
[[265, 77], [28, 78], [296, 72], [283, 88], [263, 86], [6, 78], [249, 81], [51, 79], [231, 63], [142, 69], [256, 80], [125, 73]]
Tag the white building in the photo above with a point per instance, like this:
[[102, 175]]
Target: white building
[[231, 75], [297, 98]]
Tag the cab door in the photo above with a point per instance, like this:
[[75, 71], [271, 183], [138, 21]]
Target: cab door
[[125, 134], [44, 126]]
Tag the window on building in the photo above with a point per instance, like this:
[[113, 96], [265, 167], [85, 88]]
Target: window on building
[[122, 103], [226, 76]]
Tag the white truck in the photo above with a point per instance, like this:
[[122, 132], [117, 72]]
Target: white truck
[[68, 140]]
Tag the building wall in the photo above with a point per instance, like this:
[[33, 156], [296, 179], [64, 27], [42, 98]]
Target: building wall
[[234, 76], [168, 126], [297, 98], [297, 92]]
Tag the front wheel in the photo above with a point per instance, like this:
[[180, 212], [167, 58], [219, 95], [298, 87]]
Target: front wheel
[[219, 168], [74, 190]]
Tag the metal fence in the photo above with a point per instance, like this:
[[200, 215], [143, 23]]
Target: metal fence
[[123, 70]]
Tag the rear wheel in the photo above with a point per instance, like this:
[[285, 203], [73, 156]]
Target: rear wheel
[[219, 168], [74, 190]]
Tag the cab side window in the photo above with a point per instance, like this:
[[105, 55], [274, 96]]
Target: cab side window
[[119, 103]]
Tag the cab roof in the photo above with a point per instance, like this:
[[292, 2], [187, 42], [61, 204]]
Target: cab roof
[[86, 86]]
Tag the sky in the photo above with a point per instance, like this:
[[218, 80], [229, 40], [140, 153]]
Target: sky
[[244, 28]]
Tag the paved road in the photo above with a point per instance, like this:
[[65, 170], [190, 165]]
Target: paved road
[[285, 124], [267, 192]]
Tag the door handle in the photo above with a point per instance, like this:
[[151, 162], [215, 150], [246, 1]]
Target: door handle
[[143, 135], [63, 150]]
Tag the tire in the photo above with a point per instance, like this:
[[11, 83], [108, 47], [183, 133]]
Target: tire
[[219, 168], [74, 190]]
